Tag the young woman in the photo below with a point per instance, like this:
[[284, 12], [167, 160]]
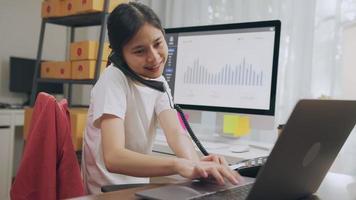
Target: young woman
[[124, 113]]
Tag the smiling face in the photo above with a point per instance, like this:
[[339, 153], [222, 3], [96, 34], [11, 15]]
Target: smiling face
[[146, 53]]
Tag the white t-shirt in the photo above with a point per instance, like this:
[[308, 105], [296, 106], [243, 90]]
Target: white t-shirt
[[138, 106]]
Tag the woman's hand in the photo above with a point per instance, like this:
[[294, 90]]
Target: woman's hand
[[215, 158], [206, 168], [221, 160]]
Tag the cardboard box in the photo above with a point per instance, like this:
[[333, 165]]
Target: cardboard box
[[48, 69], [51, 9], [78, 119], [88, 50], [90, 6], [85, 69], [69, 7], [28, 116], [63, 70], [56, 69]]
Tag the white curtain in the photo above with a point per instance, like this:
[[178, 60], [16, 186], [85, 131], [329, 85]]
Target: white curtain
[[310, 60]]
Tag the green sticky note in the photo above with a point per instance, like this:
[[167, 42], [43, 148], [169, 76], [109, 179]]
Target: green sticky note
[[230, 124]]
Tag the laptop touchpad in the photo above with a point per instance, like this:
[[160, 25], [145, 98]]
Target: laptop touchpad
[[172, 192]]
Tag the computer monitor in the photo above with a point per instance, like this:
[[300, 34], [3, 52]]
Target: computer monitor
[[224, 68], [21, 77]]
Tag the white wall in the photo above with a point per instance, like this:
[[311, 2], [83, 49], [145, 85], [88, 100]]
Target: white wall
[[349, 62], [20, 23]]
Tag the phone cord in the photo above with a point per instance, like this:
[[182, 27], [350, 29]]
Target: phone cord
[[190, 131]]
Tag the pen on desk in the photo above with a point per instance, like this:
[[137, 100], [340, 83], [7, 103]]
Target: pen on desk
[[259, 147]]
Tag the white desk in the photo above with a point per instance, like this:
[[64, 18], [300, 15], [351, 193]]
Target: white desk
[[9, 119], [337, 186], [219, 148]]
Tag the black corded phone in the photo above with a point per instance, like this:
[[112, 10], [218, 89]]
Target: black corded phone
[[248, 168]]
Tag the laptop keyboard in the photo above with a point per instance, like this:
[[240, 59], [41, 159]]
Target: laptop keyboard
[[237, 193]]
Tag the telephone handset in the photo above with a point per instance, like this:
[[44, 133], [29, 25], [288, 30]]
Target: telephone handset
[[119, 63], [251, 170]]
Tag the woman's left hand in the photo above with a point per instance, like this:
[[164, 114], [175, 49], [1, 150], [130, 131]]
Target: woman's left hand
[[215, 158], [222, 161]]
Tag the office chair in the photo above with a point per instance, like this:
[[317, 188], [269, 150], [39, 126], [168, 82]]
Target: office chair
[[49, 168]]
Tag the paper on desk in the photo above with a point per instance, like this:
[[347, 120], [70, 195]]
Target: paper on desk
[[236, 125]]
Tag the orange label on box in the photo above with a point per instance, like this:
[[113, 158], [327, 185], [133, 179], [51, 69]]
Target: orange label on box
[[79, 51]]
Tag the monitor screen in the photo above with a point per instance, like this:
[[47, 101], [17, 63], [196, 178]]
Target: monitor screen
[[224, 68], [21, 77]]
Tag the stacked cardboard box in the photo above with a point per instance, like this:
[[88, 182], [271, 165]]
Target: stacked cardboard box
[[89, 6], [56, 69], [60, 8], [26, 125], [78, 119], [83, 55], [82, 62]]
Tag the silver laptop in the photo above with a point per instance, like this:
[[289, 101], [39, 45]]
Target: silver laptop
[[299, 161]]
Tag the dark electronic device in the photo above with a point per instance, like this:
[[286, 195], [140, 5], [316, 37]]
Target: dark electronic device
[[21, 78], [208, 63], [250, 167]]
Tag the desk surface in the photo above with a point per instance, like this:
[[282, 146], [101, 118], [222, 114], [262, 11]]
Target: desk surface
[[334, 186], [221, 148], [11, 117]]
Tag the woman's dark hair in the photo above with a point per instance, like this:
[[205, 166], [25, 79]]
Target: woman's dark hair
[[125, 21]]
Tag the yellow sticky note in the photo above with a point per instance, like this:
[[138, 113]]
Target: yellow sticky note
[[236, 125], [230, 124], [243, 126]]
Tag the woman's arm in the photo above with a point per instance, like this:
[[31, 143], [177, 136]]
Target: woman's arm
[[182, 145], [118, 159], [177, 137]]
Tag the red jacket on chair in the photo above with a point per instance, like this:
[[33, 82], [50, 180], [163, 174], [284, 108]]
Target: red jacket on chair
[[49, 168]]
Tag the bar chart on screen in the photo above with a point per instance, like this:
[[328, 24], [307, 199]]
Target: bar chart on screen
[[242, 74], [238, 72]]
